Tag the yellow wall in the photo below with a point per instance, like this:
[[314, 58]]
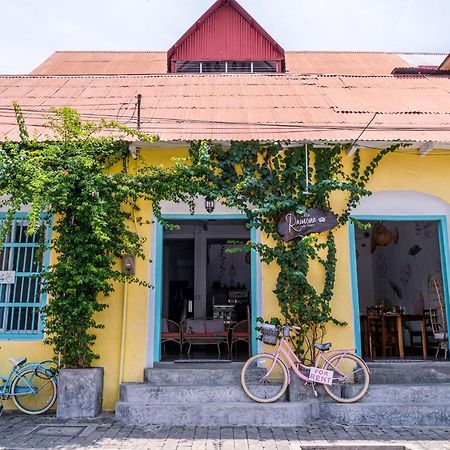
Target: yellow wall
[[396, 172]]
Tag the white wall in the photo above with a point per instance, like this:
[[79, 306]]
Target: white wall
[[391, 274]]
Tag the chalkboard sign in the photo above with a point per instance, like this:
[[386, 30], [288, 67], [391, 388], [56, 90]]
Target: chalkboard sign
[[292, 225]]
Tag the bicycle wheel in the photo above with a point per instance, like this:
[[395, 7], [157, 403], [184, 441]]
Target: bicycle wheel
[[350, 378], [44, 391], [263, 378]]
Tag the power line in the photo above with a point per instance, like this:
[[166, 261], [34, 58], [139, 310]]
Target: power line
[[168, 124], [230, 125]]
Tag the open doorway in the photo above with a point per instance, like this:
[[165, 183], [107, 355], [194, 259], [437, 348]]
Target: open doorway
[[206, 291], [400, 289]]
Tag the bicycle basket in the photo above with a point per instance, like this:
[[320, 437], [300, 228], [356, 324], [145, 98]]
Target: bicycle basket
[[269, 334]]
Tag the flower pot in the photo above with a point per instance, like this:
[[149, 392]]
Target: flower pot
[[80, 393]]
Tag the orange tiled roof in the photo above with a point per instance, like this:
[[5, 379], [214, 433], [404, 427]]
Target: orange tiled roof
[[242, 107], [135, 63]]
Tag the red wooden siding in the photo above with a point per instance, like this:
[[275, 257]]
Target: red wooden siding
[[226, 32]]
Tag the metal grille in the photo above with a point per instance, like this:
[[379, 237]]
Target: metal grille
[[239, 67], [225, 66], [20, 302], [188, 67], [213, 67], [264, 66]]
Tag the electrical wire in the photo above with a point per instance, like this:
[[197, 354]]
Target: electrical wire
[[231, 126], [168, 124]]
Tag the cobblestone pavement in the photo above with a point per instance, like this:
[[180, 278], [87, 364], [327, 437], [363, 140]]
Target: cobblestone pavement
[[18, 431]]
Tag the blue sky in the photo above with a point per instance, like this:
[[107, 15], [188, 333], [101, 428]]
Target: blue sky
[[33, 29]]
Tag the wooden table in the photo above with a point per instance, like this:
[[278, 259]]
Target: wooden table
[[398, 320], [217, 339]]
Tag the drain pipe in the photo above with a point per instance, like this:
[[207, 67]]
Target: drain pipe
[[123, 331]]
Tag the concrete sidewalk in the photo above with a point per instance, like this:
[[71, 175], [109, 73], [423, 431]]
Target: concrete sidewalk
[[19, 431]]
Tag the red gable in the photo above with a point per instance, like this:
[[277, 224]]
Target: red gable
[[226, 32]]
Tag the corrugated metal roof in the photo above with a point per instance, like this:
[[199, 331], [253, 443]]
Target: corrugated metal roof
[[101, 62], [241, 107], [225, 32], [347, 63], [136, 63]]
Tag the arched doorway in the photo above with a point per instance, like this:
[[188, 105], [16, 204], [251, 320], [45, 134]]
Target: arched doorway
[[393, 267]]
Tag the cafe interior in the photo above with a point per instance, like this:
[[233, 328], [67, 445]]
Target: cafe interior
[[206, 308], [400, 290]]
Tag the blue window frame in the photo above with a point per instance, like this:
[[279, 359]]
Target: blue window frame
[[21, 301]]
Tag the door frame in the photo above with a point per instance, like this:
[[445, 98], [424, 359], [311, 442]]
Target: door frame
[[157, 256], [444, 253]]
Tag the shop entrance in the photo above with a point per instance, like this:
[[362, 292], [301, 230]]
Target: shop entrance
[[206, 311], [401, 289]]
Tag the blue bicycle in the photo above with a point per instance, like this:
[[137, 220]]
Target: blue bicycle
[[32, 386]]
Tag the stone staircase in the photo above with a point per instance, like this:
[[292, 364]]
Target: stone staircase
[[400, 393], [204, 395]]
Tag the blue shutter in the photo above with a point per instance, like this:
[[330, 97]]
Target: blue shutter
[[21, 302]]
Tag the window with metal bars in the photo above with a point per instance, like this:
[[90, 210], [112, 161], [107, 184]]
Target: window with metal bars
[[226, 66], [21, 294]]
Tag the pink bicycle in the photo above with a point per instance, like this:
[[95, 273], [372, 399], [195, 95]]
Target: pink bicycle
[[265, 377]]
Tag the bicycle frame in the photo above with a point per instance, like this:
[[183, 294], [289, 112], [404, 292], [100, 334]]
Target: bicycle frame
[[293, 360], [5, 388]]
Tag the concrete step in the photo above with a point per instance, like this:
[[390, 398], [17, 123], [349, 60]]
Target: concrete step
[[417, 372], [401, 393], [382, 413], [407, 393], [215, 414], [150, 393], [194, 374]]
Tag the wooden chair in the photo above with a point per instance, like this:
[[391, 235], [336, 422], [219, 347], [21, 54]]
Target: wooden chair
[[381, 332], [390, 332], [171, 331], [240, 332], [415, 335], [373, 330], [437, 314]]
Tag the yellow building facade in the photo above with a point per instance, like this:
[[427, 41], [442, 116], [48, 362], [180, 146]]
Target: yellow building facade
[[406, 187]]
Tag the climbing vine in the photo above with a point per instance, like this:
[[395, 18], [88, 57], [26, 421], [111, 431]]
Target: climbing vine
[[265, 181], [81, 179]]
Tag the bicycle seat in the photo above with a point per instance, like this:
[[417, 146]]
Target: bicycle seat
[[17, 362], [323, 347]]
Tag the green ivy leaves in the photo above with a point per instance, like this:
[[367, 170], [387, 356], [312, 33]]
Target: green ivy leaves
[[70, 177], [266, 180]]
